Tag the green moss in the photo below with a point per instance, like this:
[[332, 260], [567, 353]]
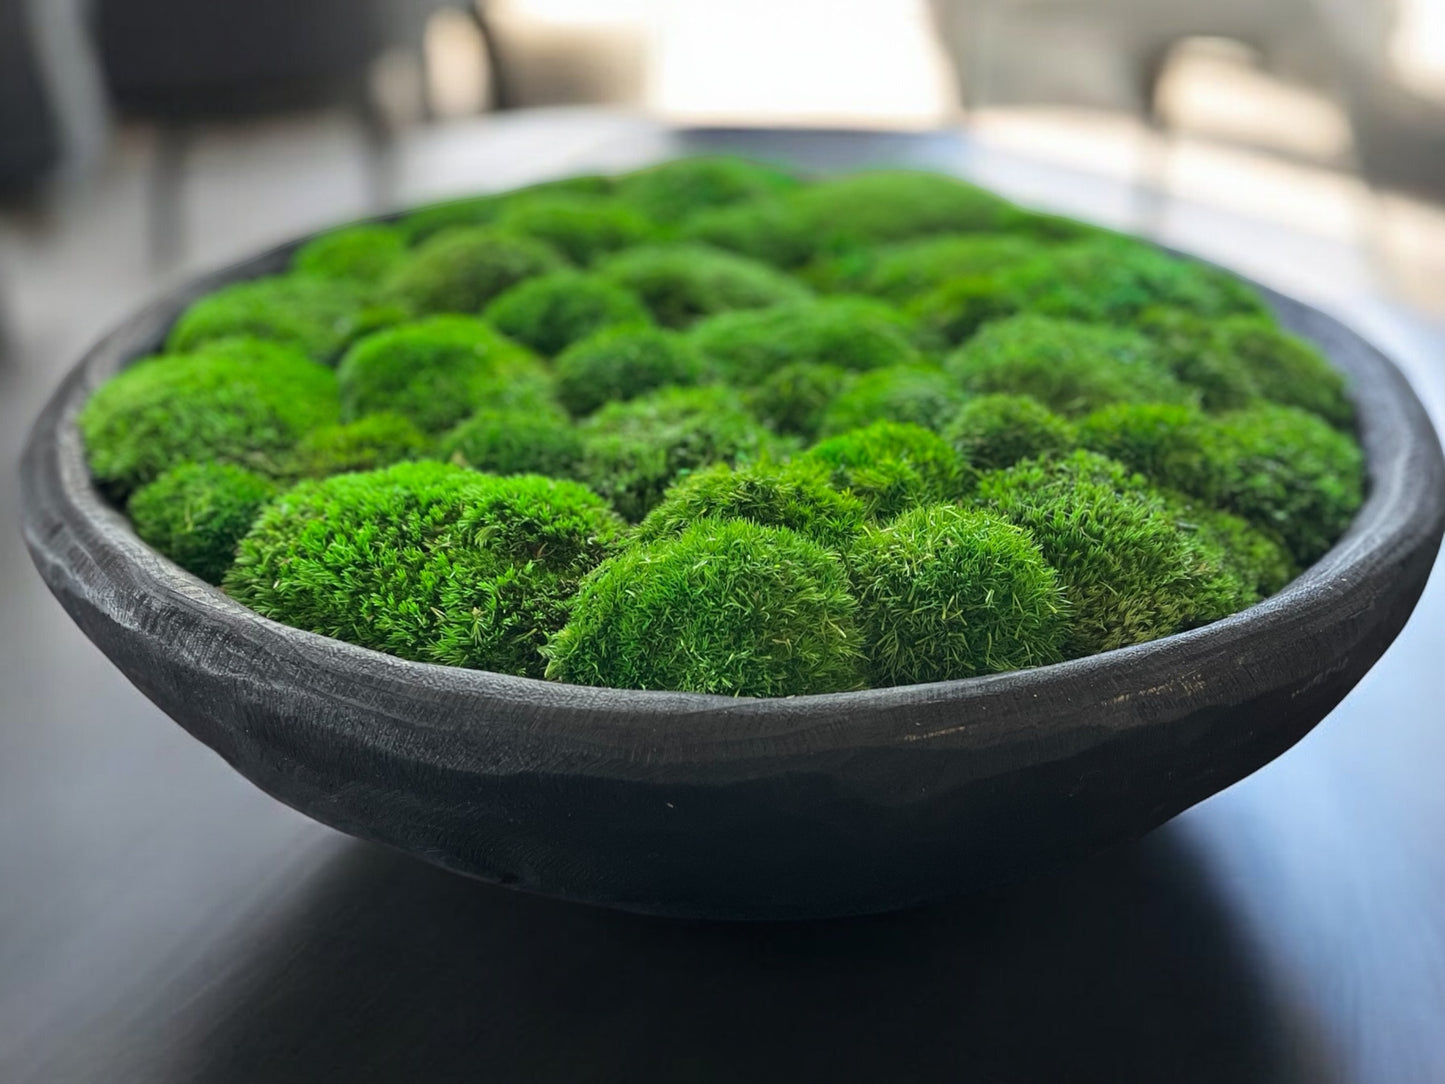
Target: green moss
[[1257, 558], [365, 254], [1130, 571], [895, 205], [195, 513], [853, 333], [793, 399], [245, 403], [1287, 369], [1287, 471], [992, 432], [514, 441], [623, 363], [906, 270], [772, 231], [582, 228], [370, 442], [794, 495], [1174, 446], [946, 592], [682, 283], [426, 561], [318, 316], [892, 467], [426, 222], [552, 312], [1068, 366], [1192, 348], [435, 372], [460, 271], [635, 450], [726, 607], [671, 191], [901, 393]]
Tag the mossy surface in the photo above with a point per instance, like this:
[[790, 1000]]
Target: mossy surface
[[370, 442], [794, 398], [363, 254], [948, 592], [634, 451], [896, 205], [992, 432], [892, 466], [582, 228], [796, 495], [672, 191], [434, 372], [1068, 366], [1192, 348], [1174, 446], [747, 347], [917, 394], [428, 221], [771, 231], [904, 271], [195, 513], [426, 561], [551, 312], [514, 441], [1288, 370], [317, 316], [244, 403], [460, 271], [727, 607], [1257, 558], [623, 363], [1130, 570], [682, 283]]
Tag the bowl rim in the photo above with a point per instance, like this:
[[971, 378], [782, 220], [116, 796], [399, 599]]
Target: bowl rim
[[84, 546]]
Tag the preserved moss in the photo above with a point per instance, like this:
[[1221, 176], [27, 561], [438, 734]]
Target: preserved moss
[[1287, 369], [771, 231], [915, 394], [793, 400], [1068, 366], [946, 592], [551, 312], [426, 222], [727, 607], [622, 364], [896, 205], [672, 191], [795, 495], [195, 513], [426, 561], [514, 441], [582, 228], [244, 403], [992, 432], [906, 270], [746, 347], [436, 372], [317, 316], [460, 271], [370, 442], [892, 467], [363, 254], [1192, 348], [682, 283]]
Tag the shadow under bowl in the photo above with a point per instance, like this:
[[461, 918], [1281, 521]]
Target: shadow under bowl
[[705, 806]]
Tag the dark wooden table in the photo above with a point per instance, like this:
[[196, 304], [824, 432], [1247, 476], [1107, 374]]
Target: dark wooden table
[[161, 921]]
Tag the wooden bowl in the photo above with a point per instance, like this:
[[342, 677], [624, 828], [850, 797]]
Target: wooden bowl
[[705, 806]]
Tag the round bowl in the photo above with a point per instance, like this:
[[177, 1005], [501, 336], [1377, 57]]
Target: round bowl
[[705, 806]]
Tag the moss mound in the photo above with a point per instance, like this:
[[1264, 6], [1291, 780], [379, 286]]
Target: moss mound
[[244, 403], [622, 364], [852, 333], [426, 222], [362, 254], [318, 316], [377, 440], [771, 231], [904, 271], [1288, 370], [551, 312], [683, 283], [634, 451], [901, 393], [946, 592], [896, 205], [426, 561], [1068, 366], [794, 495], [727, 607], [1192, 348], [582, 228], [671, 191], [514, 441], [434, 372], [992, 432], [892, 466], [1130, 571], [460, 271], [793, 400], [195, 513]]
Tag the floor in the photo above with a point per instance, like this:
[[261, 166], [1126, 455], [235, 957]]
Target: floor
[[163, 921]]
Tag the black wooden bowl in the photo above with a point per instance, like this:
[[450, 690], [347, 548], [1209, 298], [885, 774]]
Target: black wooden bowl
[[693, 805]]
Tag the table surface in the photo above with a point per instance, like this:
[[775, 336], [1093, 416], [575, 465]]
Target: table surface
[[161, 920]]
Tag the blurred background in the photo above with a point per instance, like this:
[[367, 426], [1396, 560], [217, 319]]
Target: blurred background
[[191, 929]]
